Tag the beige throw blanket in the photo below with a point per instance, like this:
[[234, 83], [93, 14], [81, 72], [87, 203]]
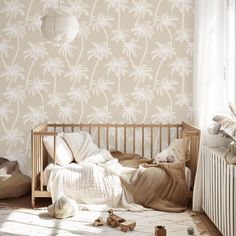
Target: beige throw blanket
[[159, 186]]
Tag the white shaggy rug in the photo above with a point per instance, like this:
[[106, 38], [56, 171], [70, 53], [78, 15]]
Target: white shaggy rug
[[38, 222]]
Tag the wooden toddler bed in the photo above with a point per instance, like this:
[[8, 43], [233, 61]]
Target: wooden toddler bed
[[145, 139]]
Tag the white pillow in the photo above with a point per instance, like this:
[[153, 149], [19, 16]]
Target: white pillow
[[81, 145], [63, 154]]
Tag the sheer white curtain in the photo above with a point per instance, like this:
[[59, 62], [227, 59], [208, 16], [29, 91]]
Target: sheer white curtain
[[211, 88]]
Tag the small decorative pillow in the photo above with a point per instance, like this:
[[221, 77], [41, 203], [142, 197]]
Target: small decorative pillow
[[80, 144], [63, 154], [177, 151]]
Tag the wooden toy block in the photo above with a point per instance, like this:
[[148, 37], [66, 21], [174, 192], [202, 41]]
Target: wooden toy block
[[114, 220], [98, 222], [127, 225], [160, 230]]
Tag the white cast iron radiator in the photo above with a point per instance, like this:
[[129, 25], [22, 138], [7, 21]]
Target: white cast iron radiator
[[219, 190]]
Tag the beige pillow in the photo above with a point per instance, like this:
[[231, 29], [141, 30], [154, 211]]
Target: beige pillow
[[179, 148], [63, 153]]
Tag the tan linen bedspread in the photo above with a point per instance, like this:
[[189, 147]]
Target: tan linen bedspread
[[158, 186]]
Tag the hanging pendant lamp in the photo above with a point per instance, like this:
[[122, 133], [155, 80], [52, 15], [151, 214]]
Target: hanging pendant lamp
[[59, 26]]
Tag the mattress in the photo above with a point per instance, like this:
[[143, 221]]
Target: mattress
[[49, 167]]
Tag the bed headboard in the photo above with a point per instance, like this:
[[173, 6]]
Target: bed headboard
[[144, 139]]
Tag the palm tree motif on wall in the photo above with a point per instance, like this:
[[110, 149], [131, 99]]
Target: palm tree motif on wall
[[130, 49], [99, 115], [38, 86], [79, 95], [163, 52], [35, 115], [166, 22], [119, 6], [130, 113], [102, 22], [77, 73], [164, 115], [143, 94], [140, 9], [183, 67], [100, 52], [102, 86], [35, 52], [117, 66], [53, 66], [5, 112], [141, 73], [166, 86], [4, 50], [12, 9]]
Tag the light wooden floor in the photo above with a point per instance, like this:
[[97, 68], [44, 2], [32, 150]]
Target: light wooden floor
[[202, 221]]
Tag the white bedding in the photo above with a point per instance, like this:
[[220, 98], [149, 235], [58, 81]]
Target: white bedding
[[94, 181]]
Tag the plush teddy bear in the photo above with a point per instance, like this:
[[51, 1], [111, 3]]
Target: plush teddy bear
[[64, 207]]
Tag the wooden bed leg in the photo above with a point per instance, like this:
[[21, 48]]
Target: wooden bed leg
[[33, 202]]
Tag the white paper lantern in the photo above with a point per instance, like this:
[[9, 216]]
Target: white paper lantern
[[59, 26]]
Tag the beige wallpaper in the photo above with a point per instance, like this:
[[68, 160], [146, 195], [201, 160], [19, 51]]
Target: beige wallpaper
[[131, 62]]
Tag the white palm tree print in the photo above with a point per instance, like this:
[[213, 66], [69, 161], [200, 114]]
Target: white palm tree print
[[143, 30], [35, 116], [76, 73], [15, 94], [166, 22], [120, 99], [163, 51], [99, 52], [181, 5], [13, 73], [34, 22], [102, 22], [66, 50], [141, 73], [119, 6], [184, 99], [183, 67], [79, 7], [83, 33], [12, 138], [80, 94], [56, 99], [164, 115], [130, 113], [143, 94], [99, 115], [66, 112], [184, 35], [37, 86], [34, 52], [120, 35], [118, 66], [53, 66], [166, 86], [4, 48], [130, 49], [102, 86], [5, 111], [50, 3], [14, 30], [141, 8], [13, 8]]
